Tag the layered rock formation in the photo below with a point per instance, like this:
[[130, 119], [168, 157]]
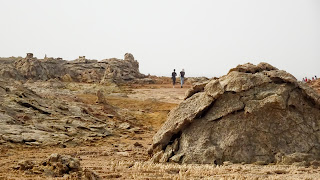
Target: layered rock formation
[[79, 70], [40, 102], [56, 117], [255, 113]]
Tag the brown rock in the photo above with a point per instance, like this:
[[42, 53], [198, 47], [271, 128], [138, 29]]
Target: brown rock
[[100, 97], [90, 175], [58, 165], [128, 57], [66, 78], [26, 164]]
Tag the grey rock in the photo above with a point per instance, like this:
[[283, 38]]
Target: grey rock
[[128, 57], [124, 125], [181, 117]]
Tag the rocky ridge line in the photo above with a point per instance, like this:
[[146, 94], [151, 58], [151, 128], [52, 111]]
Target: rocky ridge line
[[79, 70]]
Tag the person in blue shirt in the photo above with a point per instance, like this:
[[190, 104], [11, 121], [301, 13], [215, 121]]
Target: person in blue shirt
[[173, 77]]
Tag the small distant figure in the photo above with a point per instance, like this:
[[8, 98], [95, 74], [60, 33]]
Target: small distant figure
[[303, 80], [312, 79], [315, 77], [173, 77], [182, 73]]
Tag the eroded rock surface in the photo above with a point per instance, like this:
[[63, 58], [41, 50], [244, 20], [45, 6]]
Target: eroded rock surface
[[79, 70], [255, 113], [117, 70], [47, 113]]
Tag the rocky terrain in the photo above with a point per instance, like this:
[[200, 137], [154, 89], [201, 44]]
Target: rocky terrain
[[44, 102], [99, 125]]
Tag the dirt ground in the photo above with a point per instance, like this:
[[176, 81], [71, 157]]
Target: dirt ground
[[124, 154]]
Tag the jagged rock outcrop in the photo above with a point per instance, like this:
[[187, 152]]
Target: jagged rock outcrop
[[79, 70], [255, 113], [32, 68], [122, 70]]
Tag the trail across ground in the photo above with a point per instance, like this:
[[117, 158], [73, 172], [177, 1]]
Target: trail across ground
[[163, 94]]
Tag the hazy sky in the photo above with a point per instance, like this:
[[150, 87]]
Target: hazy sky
[[205, 37]]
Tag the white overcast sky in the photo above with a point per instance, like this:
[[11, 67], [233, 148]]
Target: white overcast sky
[[205, 37]]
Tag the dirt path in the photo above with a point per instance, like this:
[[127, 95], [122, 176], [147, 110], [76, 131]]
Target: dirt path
[[169, 95], [117, 156]]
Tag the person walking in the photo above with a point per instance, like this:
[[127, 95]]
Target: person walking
[[173, 77], [182, 73]]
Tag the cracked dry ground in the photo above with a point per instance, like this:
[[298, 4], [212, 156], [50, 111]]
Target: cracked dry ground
[[123, 155]]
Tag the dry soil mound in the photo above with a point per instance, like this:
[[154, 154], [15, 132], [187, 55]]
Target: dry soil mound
[[252, 114]]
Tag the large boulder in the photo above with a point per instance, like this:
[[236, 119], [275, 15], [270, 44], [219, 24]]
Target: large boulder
[[254, 113]]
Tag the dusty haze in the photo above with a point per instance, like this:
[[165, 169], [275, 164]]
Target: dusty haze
[[205, 38]]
